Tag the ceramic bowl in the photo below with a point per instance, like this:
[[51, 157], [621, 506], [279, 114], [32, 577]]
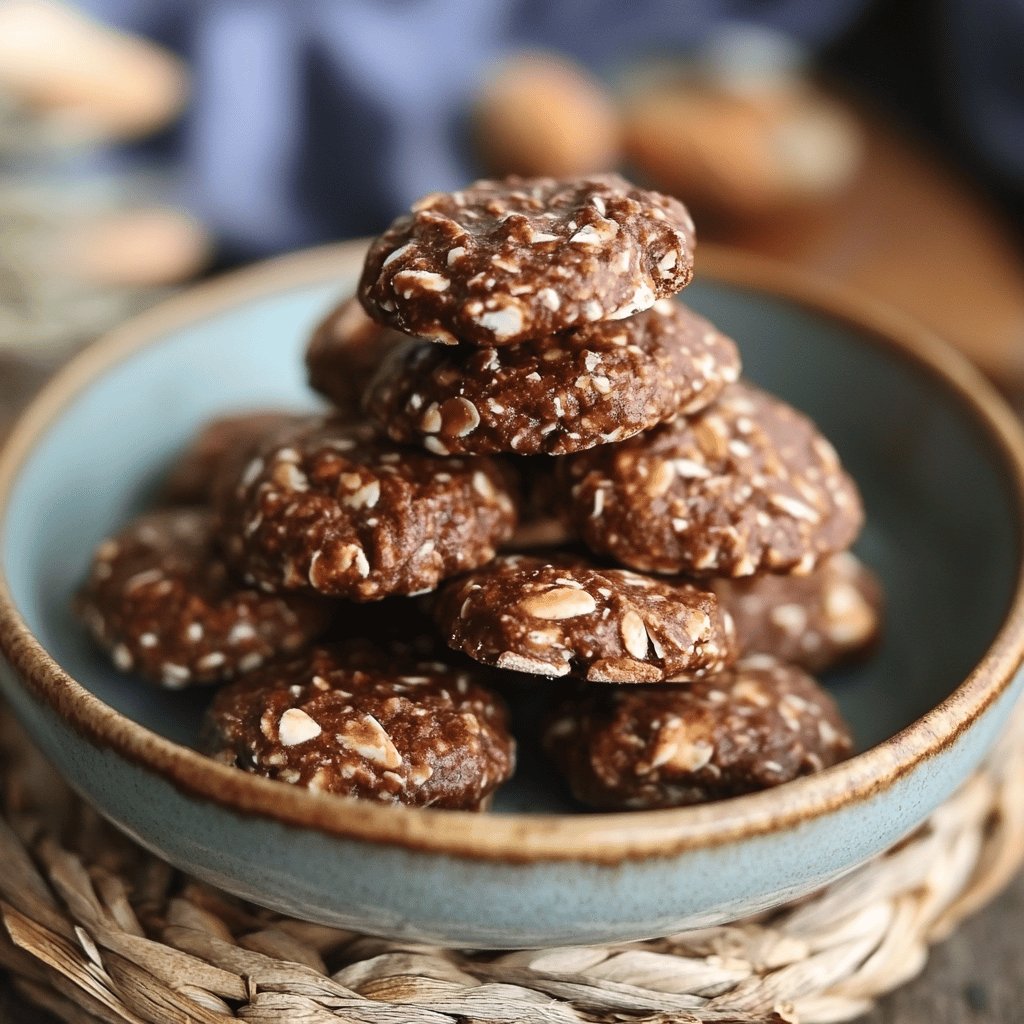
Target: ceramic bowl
[[940, 461]]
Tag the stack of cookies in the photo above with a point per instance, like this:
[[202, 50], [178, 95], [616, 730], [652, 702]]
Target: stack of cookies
[[538, 464]]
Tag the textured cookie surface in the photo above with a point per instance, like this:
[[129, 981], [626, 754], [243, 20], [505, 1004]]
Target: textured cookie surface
[[557, 618], [339, 509], [815, 621], [344, 353], [591, 385], [504, 261], [220, 445], [160, 599], [747, 484], [751, 727], [344, 721]]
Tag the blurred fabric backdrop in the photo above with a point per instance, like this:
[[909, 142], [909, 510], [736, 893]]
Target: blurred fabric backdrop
[[146, 142]]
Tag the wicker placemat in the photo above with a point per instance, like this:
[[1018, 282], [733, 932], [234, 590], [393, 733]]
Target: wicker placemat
[[95, 929]]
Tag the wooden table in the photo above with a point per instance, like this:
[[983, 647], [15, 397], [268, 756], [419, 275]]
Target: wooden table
[[913, 234]]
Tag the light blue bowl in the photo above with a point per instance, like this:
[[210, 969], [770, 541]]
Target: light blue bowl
[[939, 459]]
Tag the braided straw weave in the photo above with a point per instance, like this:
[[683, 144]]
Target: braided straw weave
[[97, 930]]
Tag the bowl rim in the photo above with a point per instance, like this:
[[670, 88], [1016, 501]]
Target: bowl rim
[[609, 838]]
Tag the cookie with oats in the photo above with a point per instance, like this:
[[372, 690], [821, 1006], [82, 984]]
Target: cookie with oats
[[219, 445], [746, 485], [337, 508], [340, 720], [506, 261], [561, 617], [816, 621], [160, 599], [748, 728], [344, 353], [590, 385]]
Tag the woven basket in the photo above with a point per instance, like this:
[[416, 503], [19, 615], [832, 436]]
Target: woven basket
[[95, 929]]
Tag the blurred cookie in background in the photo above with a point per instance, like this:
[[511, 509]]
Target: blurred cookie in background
[[95, 83], [543, 114], [739, 129], [144, 247], [828, 617], [83, 247]]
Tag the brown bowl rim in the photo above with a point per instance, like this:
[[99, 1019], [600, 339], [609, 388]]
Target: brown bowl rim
[[526, 838]]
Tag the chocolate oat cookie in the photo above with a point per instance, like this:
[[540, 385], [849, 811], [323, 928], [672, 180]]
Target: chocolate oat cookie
[[751, 727], [815, 621], [504, 261], [160, 599], [747, 484], [337, 508], [561, 617], [344, 353], [342, 722], [590, 385], [219, 445]]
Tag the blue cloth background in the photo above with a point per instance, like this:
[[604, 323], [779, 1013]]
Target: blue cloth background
[[319, 119]]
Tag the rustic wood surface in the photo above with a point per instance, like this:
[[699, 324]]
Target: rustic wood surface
[[916, 236], [976, 977]]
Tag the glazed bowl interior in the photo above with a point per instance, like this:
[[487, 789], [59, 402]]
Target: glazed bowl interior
[[942, 516]]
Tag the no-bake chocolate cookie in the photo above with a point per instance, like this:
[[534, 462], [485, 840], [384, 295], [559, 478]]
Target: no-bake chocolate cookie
[[557, 618], [815, 621], [746, 485], [160, 599], [219, 445], [336, 508], [591, 385], [341, 721], [504, 261], [751, 727], [344, 353]]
